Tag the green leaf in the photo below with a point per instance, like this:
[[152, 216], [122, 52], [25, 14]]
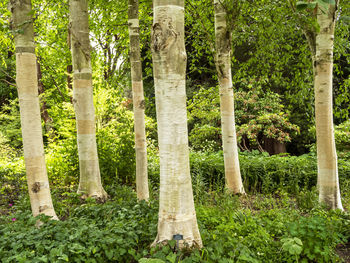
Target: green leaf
[[298, 241], [293, 245], [109, 254], [295, 249], [171, 257], [301, 5], [64, 257], [331, 2], [312, 5]]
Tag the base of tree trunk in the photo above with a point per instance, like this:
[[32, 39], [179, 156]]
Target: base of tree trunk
[[100, 195], [187, 228]]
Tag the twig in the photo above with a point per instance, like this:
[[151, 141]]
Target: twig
[[4, 80]]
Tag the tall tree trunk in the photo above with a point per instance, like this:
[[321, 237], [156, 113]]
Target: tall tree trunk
[[223, 66], [328, 182], [177, 215], [27, 85], [138, 102], [69, 67], [43, 107], [90, 179]]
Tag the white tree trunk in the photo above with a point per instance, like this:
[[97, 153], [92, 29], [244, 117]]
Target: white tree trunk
[[223, 65], [177, 214], [27, 86], [328, 182], [138, 102], [90, 179]]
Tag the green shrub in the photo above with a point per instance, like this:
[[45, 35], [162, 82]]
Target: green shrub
[[260, 172], [233, 229], [318, 235], [10, 124], [115, 142], [118, 231], [259, 115], [62, 162], [12, 181], [7, 153], [342, 136], [263, 173]]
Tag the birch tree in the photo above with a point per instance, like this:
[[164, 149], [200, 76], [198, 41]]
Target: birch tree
[[320, 41], [177, 215], [328, 181], [223, 66], [90, 179], [27, 86], [138, 102]]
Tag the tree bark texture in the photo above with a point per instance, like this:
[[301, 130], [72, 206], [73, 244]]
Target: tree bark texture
[[138, 102], [177, 214], [27, 86], [328, 181], [90, 179], [223, 65]]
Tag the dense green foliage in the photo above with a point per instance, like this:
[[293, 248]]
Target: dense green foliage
[[262, 227], [258, 116], [270, 56], [279, 220], [270, 228]]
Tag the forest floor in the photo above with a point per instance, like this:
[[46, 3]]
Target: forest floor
[[277, 227]]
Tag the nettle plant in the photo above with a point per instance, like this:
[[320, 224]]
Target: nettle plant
[[259, 116]]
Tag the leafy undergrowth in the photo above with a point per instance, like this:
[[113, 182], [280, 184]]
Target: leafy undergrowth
[[287, 226], [270, 228]]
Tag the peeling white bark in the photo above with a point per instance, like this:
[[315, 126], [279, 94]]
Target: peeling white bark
[[27, 86], [328, 181], [223, 65], [90, 178], [138, 103], [176, 206]]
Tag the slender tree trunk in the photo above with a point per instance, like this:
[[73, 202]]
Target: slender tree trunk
[[43, 107], [177, 215], [69, 77], [138, 102], [223, 66], [69, 67], [27, 85], [90, 179], [328, 182]]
